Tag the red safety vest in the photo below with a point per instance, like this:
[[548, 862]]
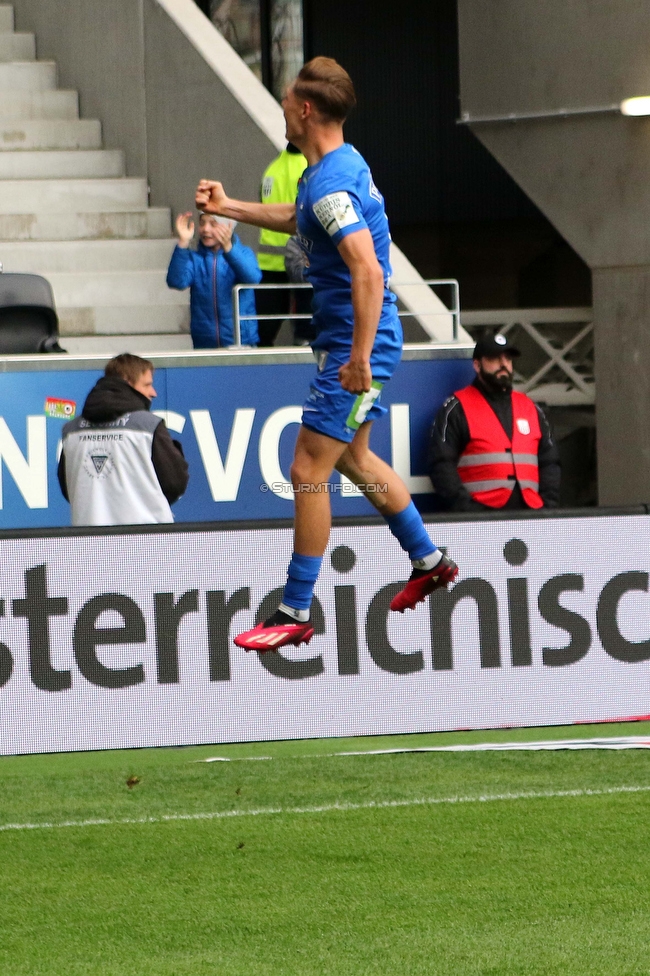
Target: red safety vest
[[492, 464]]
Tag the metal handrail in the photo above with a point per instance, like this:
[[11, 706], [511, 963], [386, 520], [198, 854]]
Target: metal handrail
[[238, 318], [576, 385]]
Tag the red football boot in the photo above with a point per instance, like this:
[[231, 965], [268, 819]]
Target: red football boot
[[423, 582], [277, 631]]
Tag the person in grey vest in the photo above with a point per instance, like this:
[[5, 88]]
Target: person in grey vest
[[119, 464]]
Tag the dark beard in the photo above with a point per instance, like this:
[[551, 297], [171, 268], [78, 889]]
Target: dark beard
[[496, 384]]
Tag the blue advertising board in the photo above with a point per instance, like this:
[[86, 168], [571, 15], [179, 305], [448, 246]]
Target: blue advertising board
[[237, 418]]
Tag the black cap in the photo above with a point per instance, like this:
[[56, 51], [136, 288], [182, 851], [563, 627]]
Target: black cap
[[494, 345]]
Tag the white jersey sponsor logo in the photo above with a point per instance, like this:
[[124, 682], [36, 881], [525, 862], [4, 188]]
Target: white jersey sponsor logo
[[523, 426], [335, 211]]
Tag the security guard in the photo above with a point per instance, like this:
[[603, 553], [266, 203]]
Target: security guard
[[279, 185], [491, 446], [119, 465]]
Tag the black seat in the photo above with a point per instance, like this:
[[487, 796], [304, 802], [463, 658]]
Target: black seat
[[28, 319]]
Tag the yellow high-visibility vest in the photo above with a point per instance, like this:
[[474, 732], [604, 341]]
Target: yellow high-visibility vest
[[279, 185]]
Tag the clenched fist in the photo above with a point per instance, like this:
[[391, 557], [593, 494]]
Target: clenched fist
[[355, 377], [210, 197]]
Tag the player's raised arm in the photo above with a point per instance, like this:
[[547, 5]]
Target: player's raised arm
[[211, 198], [358, 252]]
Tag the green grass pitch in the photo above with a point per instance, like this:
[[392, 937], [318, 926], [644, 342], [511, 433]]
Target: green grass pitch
[[299, 874]]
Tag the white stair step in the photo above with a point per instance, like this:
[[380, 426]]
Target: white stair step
[[54, 164], [6, 17], [30, 105], [140, 345], [152, 222], [68, 212], [46, 257], [51, 134], [124, 320], [115, 288], [65, 196], [27, 75], [17, 47]]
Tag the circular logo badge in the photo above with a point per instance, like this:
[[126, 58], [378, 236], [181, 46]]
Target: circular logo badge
[[99, 463]]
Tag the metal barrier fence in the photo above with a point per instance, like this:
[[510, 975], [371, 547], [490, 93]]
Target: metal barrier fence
[[557, 362], [453, 310]]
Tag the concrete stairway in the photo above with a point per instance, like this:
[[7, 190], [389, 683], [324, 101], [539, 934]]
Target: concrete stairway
[[68, 212]]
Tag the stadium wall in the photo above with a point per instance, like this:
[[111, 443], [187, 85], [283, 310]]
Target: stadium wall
[[541, 85], [122, 639]]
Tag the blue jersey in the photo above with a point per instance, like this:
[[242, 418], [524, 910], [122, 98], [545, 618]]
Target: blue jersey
[[337, 197]]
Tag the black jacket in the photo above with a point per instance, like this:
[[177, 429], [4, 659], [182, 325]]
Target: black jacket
[[111, 398], [449, 438]]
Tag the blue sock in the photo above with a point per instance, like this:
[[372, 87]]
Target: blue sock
[[302, 575], [409, 531]]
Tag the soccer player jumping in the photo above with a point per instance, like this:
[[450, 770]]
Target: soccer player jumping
[[341, 223]]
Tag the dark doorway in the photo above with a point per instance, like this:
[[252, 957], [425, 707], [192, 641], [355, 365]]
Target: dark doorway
[[453, 209]]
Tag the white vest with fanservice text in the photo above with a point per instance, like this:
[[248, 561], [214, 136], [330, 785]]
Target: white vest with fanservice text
[[110, 474]]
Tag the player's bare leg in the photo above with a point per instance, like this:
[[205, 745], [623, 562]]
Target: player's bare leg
[[387, 492], [314, 460]]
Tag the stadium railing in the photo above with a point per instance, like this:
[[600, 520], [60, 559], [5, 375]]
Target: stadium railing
[[452, 310]]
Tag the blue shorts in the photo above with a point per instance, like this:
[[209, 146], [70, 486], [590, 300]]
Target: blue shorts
[[331, 410]]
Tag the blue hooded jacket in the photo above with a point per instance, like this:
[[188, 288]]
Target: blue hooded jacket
[[210, 276]]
